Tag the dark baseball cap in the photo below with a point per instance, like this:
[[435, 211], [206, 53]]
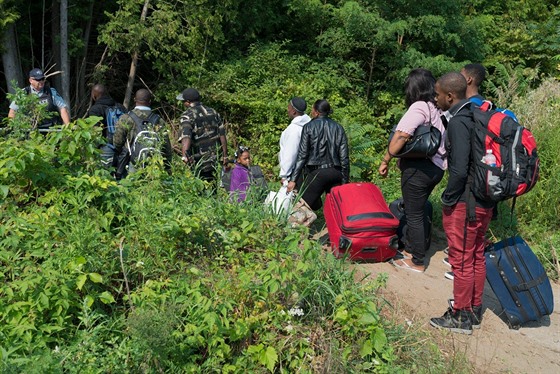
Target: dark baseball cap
[[36, 74], [189, 94]]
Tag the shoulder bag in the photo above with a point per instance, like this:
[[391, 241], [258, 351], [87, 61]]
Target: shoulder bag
[[424, 143]]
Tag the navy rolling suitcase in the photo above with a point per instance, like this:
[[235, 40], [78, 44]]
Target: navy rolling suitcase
[[519, 281]]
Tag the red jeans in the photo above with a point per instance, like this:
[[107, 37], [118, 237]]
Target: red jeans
[[466, 254]]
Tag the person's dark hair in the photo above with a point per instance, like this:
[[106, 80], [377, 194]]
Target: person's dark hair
[[323, 107], [99, 89], [143, 96], [455, 83], [240, 151], [419, 86], [477, 72]]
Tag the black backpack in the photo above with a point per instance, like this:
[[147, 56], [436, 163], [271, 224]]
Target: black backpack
[[147, 142]]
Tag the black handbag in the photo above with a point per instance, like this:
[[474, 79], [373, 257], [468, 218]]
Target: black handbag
[[424, 143]]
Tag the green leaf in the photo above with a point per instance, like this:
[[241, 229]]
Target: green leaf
[[95, 277], [341, 315], [366, 349], [4, 190], [88, 301], [81, 281], [367, 319], [379, 340], [106, 298], [255, 348], [269, 358]]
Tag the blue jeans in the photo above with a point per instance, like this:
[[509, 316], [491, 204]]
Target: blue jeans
[[418, 179]]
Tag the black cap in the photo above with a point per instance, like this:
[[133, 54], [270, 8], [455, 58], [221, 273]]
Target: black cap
[[189, 94], [36, 74], [299, 104]]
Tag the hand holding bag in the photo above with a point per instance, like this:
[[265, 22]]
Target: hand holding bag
[[280, 201], [424, 143]]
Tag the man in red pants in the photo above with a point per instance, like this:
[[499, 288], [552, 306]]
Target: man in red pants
[[465, 231]]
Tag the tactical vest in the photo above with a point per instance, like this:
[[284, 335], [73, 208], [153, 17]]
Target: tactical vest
[[45, 97]]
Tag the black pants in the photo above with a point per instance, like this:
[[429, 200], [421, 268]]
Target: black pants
[[317, 182], [418, 179]]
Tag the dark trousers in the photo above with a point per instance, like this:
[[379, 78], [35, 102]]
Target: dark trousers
[[418, 179], [317, 182]]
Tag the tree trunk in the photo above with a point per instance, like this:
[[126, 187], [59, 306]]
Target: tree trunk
[[133, 64], [82, 98], [65, 63], [370, 75], [10, 59], [53, 62]]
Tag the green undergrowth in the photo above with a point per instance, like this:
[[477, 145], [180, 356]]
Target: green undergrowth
[[164, 274]]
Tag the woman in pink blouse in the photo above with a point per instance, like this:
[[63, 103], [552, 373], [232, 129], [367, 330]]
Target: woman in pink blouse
[[418, 176]]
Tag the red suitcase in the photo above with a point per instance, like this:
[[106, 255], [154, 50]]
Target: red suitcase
[[360, 223]]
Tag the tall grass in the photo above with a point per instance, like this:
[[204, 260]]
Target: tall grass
[[538, 212]]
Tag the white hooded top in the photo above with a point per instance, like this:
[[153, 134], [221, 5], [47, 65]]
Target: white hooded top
[[289, 145]]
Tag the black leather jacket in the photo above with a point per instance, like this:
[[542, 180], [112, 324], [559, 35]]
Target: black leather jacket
[[323, 142]]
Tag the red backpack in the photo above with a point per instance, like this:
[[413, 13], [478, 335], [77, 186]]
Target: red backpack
[[517, 164]]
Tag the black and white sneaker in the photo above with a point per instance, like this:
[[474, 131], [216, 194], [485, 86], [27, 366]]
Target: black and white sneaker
[[449, 275], [458, 321], [446, 250], [446, 261]]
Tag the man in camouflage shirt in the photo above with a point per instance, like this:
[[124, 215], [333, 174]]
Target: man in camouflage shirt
[[126, 132], [203, 135]]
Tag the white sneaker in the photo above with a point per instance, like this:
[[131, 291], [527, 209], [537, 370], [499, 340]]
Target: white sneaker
[[446, 261], [449, 275]]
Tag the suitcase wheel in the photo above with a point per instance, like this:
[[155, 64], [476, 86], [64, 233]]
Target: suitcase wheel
[[344, 244]]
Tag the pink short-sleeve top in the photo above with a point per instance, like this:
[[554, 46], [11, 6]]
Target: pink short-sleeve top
[[422, 113]]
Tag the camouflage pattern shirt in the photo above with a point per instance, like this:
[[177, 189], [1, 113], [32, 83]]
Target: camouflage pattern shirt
[[204, 126]]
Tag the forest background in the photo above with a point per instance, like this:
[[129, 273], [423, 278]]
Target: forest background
[[70, 235]]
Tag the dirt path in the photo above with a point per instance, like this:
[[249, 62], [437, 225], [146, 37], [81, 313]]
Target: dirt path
[[534, 348]]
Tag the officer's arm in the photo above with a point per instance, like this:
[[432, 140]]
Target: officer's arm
[[65, 115]]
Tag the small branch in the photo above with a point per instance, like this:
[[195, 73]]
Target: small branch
[[555, 258], [124, 273]]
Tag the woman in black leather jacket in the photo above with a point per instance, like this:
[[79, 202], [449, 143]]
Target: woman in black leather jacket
[[322, 162]]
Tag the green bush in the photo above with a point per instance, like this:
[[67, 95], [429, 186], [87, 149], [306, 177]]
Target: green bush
[[161, 273]]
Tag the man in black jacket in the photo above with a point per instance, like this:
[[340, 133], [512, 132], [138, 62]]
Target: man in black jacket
[[323, 156], [465, 234], [102, 102]]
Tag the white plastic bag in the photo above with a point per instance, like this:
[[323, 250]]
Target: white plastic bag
[[281, 201]]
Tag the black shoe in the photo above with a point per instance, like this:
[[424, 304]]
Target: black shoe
[[476, 316], [456, 321]]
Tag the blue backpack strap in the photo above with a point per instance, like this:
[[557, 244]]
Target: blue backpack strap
[[476, 101], [508, 113]]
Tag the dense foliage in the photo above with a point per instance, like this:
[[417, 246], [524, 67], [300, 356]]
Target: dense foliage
[[159, 274]]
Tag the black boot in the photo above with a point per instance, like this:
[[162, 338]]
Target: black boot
[[455, 321], [476, 316]]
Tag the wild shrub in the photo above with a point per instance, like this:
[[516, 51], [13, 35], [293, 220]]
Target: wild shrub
[[537, 212]]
